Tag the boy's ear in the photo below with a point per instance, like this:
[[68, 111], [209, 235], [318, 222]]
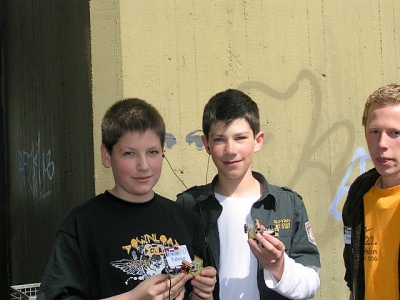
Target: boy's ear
[[205, 143], [105, 156], [259, 139]]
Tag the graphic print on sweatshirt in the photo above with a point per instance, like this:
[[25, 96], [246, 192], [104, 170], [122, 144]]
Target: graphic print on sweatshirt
[[145, 256]]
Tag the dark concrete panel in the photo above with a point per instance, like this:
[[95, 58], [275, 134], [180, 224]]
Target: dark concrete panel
[[48, 93]]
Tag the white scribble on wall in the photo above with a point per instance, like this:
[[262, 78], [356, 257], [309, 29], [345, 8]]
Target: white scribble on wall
[[360, 157], [36, 168]]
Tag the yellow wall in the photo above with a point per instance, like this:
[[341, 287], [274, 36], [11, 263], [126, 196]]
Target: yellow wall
[[310, 65]]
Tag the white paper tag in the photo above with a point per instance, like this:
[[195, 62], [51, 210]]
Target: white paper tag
[[175, 255], [347, 235]]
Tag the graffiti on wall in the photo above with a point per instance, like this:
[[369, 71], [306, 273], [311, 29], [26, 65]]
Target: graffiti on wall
[[193, 137], [312, 142], [360, 158], [36, 168], [315, 140]]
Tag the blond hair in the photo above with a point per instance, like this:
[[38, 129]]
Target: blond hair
[[388, 95]]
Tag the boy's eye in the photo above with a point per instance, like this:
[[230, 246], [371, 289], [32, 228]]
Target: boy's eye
[[218, 139], [127, 153]]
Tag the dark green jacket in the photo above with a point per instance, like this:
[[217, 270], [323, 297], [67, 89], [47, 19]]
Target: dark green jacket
[[277, 205]]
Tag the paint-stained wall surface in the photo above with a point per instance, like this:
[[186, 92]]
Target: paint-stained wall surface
[[310, 65]]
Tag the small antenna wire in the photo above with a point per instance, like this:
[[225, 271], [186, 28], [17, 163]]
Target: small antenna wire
[[175, 172]]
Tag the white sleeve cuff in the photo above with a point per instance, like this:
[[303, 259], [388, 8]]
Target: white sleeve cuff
[[298, 281]]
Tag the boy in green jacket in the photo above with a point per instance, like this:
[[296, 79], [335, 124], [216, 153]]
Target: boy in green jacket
[[268, 267]]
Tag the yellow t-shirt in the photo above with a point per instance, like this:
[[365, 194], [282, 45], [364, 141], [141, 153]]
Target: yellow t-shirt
[[382, 242]]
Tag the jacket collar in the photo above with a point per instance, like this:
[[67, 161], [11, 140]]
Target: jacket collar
[[361, 185], [267, 189]]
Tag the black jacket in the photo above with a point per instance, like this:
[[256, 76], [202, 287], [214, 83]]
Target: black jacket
[[353, 217]]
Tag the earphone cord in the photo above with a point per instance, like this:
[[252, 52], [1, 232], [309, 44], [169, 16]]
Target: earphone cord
[[174, 172], [208, 163], [170, 287]]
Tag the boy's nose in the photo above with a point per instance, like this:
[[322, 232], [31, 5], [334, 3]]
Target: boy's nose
[[383, 140], [230, 148], [142, 163]]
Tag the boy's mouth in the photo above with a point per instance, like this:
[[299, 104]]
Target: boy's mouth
[[143, 179], [383, 160], [231, 163]]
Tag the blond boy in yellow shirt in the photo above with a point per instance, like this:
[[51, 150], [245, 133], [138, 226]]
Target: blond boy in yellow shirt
[[371, 213]]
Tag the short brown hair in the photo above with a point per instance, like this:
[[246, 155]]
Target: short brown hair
[[228, 106], [130, 115]]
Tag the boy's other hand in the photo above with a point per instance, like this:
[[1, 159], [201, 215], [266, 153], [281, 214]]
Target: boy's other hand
[[158, 287], [270, 253], [203, 284]]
